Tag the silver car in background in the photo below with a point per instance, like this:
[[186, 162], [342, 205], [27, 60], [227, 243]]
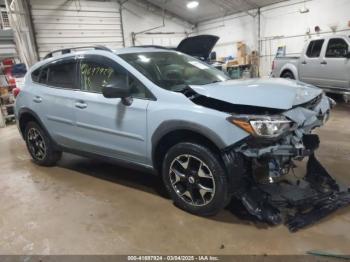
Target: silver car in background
[[324, 62]]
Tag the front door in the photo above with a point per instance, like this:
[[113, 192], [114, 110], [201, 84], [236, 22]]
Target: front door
[[310, 63], [107, 126], [335, 69]]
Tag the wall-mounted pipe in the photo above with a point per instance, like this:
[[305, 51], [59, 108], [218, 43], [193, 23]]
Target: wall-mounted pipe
[[166, 33], [303, 35], [134, 34], [121, 3]]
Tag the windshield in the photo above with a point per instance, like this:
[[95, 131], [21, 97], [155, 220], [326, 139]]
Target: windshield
[[173, 70]]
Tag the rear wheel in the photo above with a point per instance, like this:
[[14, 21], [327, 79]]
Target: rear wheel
[[195, 179], [40, 145], [288, 75]]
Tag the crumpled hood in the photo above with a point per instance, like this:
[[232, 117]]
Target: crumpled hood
[[274, 93]]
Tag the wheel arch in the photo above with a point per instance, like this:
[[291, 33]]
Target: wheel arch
[[290, 68], [25, 115], [170, 133]]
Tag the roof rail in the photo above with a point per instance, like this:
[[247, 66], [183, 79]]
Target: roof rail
[[69, 50], [153, 46]]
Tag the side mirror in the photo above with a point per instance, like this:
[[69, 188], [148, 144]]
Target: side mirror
[[114, 91], [117, 91]]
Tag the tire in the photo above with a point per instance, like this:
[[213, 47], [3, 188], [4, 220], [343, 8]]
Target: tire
[[40, 145], [189, 188], [288, 75]]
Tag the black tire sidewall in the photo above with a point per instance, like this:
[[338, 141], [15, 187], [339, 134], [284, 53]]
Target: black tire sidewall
[[51, 156], [221, 195], [288, 75]]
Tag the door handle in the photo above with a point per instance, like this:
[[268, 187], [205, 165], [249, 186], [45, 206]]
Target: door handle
[[304, 62], [37, 99], [80, 105], [324, 63]]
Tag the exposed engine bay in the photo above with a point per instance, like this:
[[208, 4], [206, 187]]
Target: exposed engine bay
[[261, 167]]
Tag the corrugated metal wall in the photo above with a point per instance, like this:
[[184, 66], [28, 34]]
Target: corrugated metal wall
[[7, 44], [67, 23]]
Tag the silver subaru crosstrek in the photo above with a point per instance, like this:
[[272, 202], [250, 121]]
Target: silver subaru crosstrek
[[176, 116]]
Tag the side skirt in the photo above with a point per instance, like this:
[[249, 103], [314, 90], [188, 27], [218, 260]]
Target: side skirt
[[112, 160]]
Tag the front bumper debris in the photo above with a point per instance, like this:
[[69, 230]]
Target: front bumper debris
[[296, 203], [321, 207], [306, 202]]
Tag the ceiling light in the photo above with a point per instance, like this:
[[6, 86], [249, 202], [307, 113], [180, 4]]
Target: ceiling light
[[144, 59], [192, 4]]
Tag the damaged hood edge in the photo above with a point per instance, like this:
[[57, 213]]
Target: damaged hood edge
[[279, 94]]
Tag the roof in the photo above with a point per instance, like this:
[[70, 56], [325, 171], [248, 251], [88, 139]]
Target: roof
[[120, 51]]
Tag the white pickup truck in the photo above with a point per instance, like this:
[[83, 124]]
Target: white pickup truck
[[325, 62]]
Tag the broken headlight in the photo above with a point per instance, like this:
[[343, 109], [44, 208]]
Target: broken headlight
[[262, 126]]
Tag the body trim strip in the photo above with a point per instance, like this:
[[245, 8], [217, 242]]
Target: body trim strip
[[60, 120], [110, 131]]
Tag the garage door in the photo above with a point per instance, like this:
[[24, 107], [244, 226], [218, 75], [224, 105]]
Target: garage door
[[70, 23]]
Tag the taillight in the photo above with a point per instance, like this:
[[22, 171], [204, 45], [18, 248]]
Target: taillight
[[16, 91], [273, 64]]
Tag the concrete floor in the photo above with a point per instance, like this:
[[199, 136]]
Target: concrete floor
[[84, 206]]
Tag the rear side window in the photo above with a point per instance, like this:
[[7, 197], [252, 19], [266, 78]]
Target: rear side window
[[314, 48], [337, 47], [62, 74]]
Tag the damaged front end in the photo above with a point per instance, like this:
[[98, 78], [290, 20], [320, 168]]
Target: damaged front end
[[262, 166], [279, 115]]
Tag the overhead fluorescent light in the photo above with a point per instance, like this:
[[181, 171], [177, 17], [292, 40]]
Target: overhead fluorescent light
[[192, 4]]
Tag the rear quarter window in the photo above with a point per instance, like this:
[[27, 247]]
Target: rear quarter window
[[40, 75], [35, 75], [43, 75]]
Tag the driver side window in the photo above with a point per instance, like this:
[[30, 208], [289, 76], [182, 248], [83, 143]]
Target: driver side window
[[337, 48], [97, 71]]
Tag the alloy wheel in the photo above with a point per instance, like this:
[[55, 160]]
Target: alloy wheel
[[192, 180], [36, 144]]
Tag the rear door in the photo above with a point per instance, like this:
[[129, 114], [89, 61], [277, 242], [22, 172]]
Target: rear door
[[310, 63], [58, 85], [107, 126], [335, 67]]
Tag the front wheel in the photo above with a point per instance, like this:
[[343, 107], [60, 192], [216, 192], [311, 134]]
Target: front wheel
[[195, 179]]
